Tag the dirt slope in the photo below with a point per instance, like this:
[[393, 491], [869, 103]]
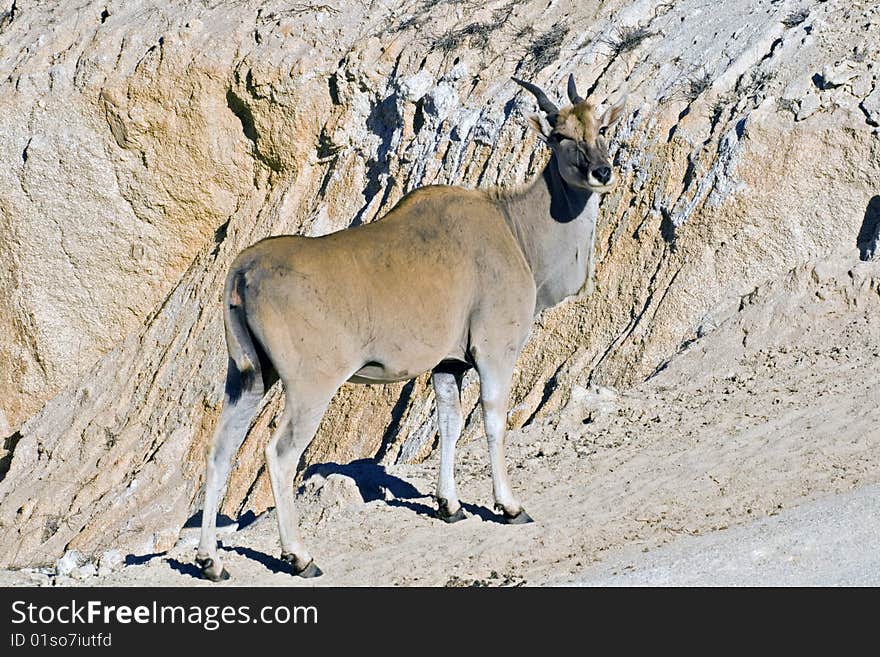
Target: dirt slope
[[148, 142], [831, 541], [773, 405]]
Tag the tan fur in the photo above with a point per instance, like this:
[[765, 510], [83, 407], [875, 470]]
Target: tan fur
[[579, 122], [449, 279]]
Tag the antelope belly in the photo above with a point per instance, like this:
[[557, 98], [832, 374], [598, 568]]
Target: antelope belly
[[375, 372]]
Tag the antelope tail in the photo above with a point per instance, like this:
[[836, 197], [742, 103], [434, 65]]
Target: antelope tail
[[244, 360]]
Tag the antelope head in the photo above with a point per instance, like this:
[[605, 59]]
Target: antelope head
[[578, 135]]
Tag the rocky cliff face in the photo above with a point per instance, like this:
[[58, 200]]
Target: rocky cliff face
[[145, 144]]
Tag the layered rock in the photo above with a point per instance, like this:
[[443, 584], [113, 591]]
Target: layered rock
[[147, 144]]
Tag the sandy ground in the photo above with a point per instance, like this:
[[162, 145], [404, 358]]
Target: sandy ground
[[833, 541], [681, 480]]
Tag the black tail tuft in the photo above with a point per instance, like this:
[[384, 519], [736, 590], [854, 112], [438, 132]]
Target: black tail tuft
[[238, 381], [244, 361]]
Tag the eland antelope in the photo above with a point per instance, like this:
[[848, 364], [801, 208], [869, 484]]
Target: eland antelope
[[449, 279]]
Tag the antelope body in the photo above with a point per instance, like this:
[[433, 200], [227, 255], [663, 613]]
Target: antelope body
[[449, 279]]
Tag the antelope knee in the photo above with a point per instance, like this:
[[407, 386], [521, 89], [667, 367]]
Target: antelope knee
[[495, 426]]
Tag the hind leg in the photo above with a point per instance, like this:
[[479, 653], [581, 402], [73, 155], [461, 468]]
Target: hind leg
[[235, 418], [447, 392], [302, 415]]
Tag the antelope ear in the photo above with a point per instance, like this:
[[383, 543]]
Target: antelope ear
[[613, 114], [539, 124]]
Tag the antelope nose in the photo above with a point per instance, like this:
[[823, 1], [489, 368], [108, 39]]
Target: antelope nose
[[602, 174]]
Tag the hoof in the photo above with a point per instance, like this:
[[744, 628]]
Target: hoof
[[444, 515], [450, 518], [521, 518], [310, 571], [306, 571], [210, 572]]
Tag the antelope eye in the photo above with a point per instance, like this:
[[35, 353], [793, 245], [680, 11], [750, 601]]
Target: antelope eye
[[603, 130]]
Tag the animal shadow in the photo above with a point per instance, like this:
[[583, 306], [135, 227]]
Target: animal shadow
[[223, 522], [271, 563], [140, 559], [371, 478], [415, 507], [189, 569], [487, 515], [181, 567]]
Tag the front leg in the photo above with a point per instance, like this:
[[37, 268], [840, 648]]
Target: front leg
[[447, 391], [495, 383]]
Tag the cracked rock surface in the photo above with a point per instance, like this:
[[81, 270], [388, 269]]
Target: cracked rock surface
[[146, 143]]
